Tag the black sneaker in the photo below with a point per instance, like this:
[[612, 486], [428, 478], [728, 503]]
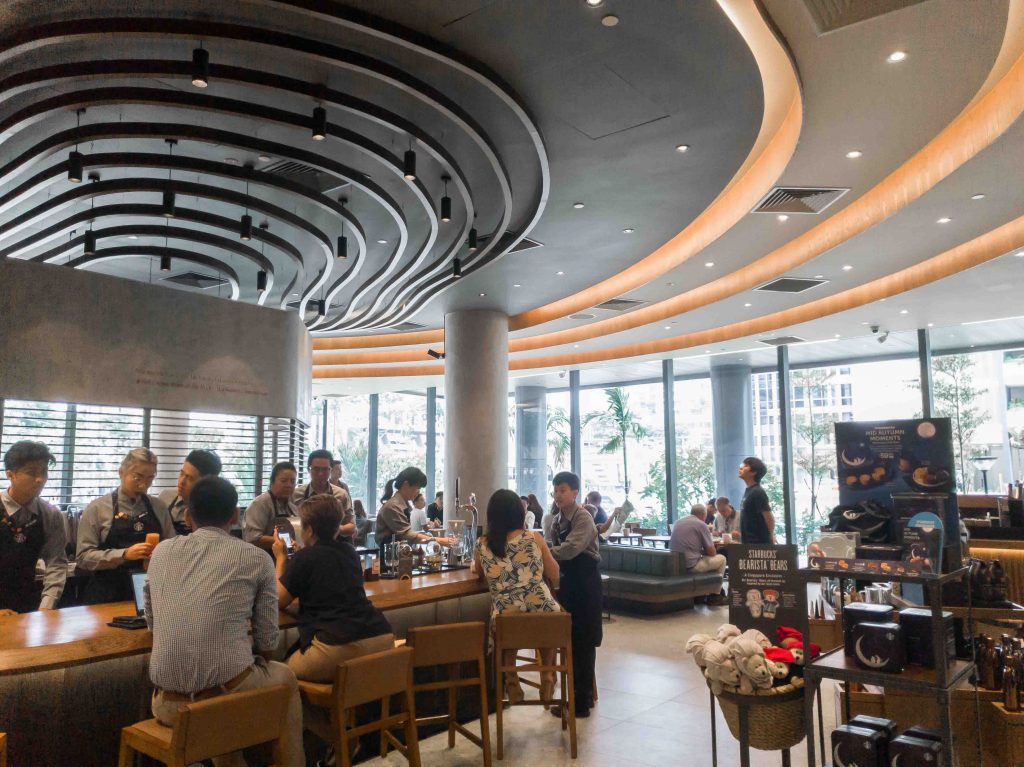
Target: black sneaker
[[581, 713]]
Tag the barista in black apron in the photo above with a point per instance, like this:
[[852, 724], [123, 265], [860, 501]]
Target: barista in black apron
[[574, 546], [125, 530], [197, 464], [20, 547]]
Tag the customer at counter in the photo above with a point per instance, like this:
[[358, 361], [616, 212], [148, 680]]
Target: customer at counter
[[573, 540], [319, 466], [114, 529], [757, 524], [418, 514], [362, 523], [273, 510], [337, 622], [198, 464], [203, 593], [435, 511], [336, 480], [727, 520], [393, 516], [30, 530], [518, 567]]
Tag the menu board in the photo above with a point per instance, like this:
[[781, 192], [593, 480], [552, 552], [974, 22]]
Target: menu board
[[765, 589]]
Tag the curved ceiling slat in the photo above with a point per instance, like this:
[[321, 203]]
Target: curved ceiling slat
[[148, 251]]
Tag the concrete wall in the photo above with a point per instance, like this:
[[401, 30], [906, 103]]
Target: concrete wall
[[73, 336]]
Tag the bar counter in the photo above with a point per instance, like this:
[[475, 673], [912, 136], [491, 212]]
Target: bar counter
[[66, 673]]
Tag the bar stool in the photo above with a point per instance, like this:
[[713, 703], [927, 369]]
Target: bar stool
[[544, 631], [212, 728], [451, 645], [3, 749], [366, 679]]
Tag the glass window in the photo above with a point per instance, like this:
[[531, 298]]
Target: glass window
[[559, 410], [44, 422], [103, 436], [348, 430], [401, 435], [695, 444]]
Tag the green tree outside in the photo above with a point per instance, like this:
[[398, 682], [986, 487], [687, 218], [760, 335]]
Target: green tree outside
[[624, 425]]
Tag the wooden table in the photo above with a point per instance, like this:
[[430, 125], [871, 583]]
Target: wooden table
[[65, 672]]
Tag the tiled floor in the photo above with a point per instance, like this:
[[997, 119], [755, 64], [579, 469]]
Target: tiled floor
[[653, 708]]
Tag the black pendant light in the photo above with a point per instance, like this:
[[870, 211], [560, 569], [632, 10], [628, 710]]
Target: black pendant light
[[472, 240], [165, 263], [321, 308], [446, 202], [457, 269], [200, 68], [319, 124], [168, 203], [409, 165], [245, 231], [90, 243], [75, 159], [261, 282], [342, 251]]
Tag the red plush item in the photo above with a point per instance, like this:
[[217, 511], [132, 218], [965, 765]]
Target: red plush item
[[779, 655], [786, 632], [790, 638]]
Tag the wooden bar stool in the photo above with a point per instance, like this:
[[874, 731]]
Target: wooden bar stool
[[212, 728], [3, 749], [366, 679], [515, 631], [451, 645]]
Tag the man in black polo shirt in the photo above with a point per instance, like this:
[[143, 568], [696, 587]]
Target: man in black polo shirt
[[757, 524]]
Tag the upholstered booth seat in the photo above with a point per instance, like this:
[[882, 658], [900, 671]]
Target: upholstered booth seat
[[652, 580]]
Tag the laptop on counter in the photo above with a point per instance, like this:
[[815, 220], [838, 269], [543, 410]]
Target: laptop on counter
[[137, 621]]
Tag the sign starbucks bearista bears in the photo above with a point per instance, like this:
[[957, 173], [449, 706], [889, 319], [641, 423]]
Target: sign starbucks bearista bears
[[765, 590]]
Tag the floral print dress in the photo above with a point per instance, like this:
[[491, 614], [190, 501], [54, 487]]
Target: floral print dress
[[516, 581]]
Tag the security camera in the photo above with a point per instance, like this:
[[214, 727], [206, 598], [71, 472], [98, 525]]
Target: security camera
[[874, 328], [882, 338]]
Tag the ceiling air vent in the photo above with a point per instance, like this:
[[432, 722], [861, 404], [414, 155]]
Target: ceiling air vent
[[196, 280], [830, 15], [791, 285], [290, 168], [307, 175], [798, 199], [782, 340], [407, 326], [620, 304], [526, 244], [581, 316]]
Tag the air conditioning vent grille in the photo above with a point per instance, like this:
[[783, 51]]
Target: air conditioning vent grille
[[196, 280], [791, 285], [830, 15], [782, 340], [620, 304], [526, 244], [291, 168], [407, 326], [799, 199]]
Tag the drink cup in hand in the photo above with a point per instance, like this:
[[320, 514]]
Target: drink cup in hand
[[153, 539]]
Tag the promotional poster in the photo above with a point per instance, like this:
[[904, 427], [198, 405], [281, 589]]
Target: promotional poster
[[765, 589]]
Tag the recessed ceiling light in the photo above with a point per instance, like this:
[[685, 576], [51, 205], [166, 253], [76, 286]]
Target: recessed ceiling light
[[819, 276], [610, 20], [628, 230], [978, 196], [748, 305], [575, 346], [516, 285], [944, 220], [668, 327], [231, 160], [853, 154], [482, 295], [682, 148], [782, 217], [931, 324], [133, 236], [847, 267], [904, 311], [263, 158], [559, 274], [707, 351], [578, 205], [595, 3], [670, 284], [836, 335], [896, 57], [709, 263], [972, 346], [382, 242], [1019, 254]]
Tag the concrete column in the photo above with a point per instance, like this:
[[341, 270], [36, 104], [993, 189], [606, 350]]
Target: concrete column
[[476, 406], [733, 422], [531, 440]]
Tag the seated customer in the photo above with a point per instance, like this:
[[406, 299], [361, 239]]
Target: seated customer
[[362, 523], [203, 592], [518, 567], [727, 520], [336, 620], [529, 518], [418, 515], [691, 538]]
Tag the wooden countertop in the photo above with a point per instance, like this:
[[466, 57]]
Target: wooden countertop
[[1009, 545], [45, 640]]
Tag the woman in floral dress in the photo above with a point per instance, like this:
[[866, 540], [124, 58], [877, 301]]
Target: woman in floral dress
[[520, 573]]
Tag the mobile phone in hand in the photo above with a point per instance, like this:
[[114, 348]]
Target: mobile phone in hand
[[289, 545]]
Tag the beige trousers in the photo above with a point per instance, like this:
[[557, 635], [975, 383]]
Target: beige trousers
[[707, 564], [264, 674], [318, 663]]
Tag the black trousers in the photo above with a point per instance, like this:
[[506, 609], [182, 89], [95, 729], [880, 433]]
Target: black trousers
[[584, 658]]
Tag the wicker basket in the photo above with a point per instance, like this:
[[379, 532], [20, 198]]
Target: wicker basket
[[776, 716]]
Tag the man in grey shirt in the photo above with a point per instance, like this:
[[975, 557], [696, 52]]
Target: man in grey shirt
[[319, 465], [198, 464], [30, 530], [202, 593], [692, 539]]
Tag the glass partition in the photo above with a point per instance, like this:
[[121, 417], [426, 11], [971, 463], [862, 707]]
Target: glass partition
[[402, 434]]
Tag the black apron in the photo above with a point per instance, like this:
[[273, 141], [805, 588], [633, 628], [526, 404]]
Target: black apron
[[282, 522], [20, 546], [180, 527], [125, 530], [579, 593]]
